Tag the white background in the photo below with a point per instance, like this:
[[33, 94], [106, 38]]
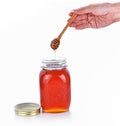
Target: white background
[[26, 30]]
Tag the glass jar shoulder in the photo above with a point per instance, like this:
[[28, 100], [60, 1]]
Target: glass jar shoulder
[[54, 72]]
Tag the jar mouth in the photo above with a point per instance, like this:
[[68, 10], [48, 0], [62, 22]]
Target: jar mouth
[[54, 63]]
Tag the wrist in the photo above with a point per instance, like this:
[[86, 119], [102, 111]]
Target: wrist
[[116, 11]]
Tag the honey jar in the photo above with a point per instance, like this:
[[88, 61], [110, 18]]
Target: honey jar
[[55, 85]]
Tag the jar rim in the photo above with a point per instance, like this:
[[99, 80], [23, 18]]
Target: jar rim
[[54, 63]]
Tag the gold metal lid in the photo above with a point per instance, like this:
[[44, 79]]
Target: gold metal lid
[[27, 109]]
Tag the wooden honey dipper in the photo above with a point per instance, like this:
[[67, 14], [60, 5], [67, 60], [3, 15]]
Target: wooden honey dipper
[[56, 42]]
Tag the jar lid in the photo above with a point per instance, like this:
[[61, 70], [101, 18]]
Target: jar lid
[[27, 109]]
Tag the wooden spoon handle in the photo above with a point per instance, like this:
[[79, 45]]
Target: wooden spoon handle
[[67, 25]]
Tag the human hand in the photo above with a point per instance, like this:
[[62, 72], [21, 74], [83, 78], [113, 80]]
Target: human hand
[[96, 15]]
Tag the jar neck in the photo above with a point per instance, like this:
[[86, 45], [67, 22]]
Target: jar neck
[[54, 64]]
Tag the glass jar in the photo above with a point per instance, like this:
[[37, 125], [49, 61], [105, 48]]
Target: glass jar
[[55, 87]]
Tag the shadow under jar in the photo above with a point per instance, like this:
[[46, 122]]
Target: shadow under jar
[[55, 86]]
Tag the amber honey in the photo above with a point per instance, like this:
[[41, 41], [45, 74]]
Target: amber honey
[[55, 87]]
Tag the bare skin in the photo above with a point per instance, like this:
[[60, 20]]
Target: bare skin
[[96, 15]]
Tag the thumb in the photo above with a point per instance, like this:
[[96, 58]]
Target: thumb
[[82, 10]]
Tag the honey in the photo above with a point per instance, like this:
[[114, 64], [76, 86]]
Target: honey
[[55, 86]]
